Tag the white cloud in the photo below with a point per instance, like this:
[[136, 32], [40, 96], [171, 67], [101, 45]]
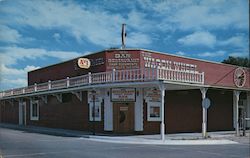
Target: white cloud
[[239, 54], [180, 53], [11, 77], [197, 15], [137, 40], [212, 15], [57, 36], [238, 41], [199, 38], [9, 35], [212, 54], [97, 26], [10, 55], [14, 77]]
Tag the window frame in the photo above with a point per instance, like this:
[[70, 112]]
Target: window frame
[[153, 104], [97, 105], [32, 117]]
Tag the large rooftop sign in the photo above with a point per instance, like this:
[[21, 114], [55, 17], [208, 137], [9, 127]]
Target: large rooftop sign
[[153, 62]]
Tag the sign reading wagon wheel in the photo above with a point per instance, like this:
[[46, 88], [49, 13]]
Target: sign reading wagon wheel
[[239, 77]]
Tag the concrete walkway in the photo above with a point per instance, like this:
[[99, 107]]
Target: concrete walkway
[[215, 138]]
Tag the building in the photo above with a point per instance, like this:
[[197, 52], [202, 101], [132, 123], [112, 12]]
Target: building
[[132, 91]]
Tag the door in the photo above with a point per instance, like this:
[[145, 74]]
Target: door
[[123, 117], [22, 113]]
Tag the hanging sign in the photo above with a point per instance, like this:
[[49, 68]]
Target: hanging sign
[[123, 94], [83, 63]]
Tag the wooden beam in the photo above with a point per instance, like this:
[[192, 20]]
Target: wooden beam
[[78, 94], [58, 97], [44, 98]]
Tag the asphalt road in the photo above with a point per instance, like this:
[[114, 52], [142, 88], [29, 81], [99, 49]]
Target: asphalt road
[[18, 144]]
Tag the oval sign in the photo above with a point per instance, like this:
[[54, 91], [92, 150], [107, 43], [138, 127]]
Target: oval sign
[[239, 77], [206, 103], [83, 63]]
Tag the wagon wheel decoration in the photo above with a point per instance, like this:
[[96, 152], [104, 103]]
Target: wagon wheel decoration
[[239, 77]]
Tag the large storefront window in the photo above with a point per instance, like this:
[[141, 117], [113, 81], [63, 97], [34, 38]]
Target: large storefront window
[[34, 110]]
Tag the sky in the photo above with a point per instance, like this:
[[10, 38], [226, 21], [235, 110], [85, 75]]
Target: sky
[[37, 33]]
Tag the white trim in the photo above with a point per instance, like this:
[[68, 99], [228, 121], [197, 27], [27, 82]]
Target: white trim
[[108, 111], [153, 104], [248, 108], [139, 110], [21, 113], [34, 118]]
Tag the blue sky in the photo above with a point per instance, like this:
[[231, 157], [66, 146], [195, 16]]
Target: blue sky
[[37, 33]]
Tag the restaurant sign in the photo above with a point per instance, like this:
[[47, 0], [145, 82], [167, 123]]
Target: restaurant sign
[[123, 94], [83, 63]]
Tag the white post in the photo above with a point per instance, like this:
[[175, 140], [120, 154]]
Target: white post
[[89, 77], [204, 114], [35, 88], [237, 97], [67, 82], [248, 109], [162, 88], [113, 75], [49, 84]]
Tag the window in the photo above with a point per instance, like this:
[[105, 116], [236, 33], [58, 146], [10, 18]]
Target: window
[[34, 110], [154, 111], [95, 111]]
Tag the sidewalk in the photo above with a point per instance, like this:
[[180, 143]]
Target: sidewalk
[[215, 138]]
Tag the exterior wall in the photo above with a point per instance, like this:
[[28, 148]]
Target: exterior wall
[[68, 115], [216, 74], [67, 69], [183, 112], [9, 113], [149, 127], [220, 113]]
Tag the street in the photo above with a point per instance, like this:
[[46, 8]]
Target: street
[[17, 143]]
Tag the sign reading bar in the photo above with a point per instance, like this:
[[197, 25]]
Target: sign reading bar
[[83, 63], [123, 94]]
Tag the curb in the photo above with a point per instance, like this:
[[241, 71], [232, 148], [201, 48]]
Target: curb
[[49, 131]]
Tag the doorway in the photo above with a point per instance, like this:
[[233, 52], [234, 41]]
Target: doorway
[[22, 113], [123, 117]]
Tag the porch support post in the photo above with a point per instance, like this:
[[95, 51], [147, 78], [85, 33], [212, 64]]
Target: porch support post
[[236, 105], [162, 89], [204, 114]]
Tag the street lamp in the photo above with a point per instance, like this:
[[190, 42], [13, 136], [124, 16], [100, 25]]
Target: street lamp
[[93, 110]]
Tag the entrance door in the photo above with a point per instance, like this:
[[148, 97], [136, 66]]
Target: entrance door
[[123, 117], [22, 113]]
